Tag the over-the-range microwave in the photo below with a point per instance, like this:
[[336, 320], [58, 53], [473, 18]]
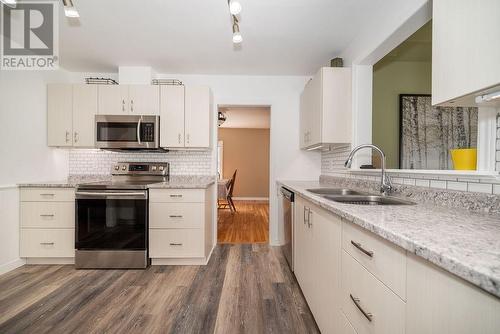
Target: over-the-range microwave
[[127, 132]]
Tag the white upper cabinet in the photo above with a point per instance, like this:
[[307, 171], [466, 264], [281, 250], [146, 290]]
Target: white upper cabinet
[[59, 115], [325, 108], [172, 116], [465, 49], [197, 116], [84, 111], [144, 99], [129, 99]]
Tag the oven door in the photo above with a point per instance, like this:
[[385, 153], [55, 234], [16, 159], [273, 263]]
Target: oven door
[[127, 131], [111, 220]]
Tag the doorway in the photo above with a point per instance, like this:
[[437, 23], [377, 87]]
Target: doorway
[[243, 168]]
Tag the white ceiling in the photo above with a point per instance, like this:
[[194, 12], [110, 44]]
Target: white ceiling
[[280, 37], [246, 117]]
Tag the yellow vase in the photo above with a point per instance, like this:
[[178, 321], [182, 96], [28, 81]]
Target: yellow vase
[[464, 158]]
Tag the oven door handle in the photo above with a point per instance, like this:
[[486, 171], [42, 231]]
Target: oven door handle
[[140, 194]]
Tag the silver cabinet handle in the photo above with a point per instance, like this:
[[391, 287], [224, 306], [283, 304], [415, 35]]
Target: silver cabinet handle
[[187, 138], [47, 215], [175, 244], [67, 136], [132, 105], [309, 214], [356, 302], [176, 196], [358, 246], [47, 243], [51, 195], [305, 216], [139, 130], [179, 138], [175, 216], [75, 137], [123, 105]]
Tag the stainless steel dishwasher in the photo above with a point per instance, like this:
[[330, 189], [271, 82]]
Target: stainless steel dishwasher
[[288, 209]]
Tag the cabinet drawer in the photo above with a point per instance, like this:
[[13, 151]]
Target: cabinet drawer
[[177, 195], [363, 292], [47, 242], [47, 214], [176, 215], [384, 260], [47, 195], [176, 243]]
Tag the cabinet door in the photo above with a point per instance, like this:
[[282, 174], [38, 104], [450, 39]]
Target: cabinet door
[[59, 114], [300, 242], [303, 119], [84, 111], [197, 116], [324, 268], [315, 110], [113, 100], [172, 116], [465, 57], [144, 99]]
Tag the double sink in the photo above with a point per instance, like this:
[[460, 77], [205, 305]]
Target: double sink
[[349, 196]]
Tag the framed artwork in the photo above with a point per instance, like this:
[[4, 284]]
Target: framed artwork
[[426, 133]]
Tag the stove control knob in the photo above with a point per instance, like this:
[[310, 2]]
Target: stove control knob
[[117, 167], [153, 168], [161, 168], [124, 168]]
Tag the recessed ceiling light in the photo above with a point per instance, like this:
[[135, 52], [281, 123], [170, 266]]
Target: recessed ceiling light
[[234, 7], [70, 9]]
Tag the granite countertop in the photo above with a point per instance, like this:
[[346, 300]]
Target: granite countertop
[[463, 243], [71, 182], [185, 182]]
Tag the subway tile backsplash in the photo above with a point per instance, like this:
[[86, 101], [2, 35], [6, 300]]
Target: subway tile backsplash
[[98, 162]]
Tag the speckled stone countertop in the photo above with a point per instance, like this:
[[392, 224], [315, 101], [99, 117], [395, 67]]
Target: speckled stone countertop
[[71, 182], [186, 182], [464, 243]]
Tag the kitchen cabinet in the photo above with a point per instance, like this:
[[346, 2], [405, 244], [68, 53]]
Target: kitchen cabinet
[[60, 115], [71, 111], [47, 222], [439, 302], [172, 116], [318, 232], [465, 56], [197, 116], [325, 109], [180, 226], [129, 99]]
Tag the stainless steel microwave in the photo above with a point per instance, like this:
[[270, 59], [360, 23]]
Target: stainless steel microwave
[[127, 132]]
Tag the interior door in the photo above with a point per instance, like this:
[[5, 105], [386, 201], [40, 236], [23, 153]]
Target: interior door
[[144, 99], [59, 115], [84, 111], [172, 116], [197, 116], [113, 100]]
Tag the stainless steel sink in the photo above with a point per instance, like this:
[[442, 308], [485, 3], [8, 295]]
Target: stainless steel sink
[[335, 191], [368, 200]]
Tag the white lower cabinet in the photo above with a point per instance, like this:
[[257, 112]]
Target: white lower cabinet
[[180, 226], [357, 282], [318, 232], [47, 221]]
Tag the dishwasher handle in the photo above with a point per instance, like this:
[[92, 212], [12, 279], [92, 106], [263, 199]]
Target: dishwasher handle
[[288, 194]]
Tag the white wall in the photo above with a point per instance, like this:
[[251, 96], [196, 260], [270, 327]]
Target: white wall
[[23, 149], [282, 93]]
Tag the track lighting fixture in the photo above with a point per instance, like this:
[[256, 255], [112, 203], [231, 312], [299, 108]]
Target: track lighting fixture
[[234, 7], [237, 38], [70, 9]]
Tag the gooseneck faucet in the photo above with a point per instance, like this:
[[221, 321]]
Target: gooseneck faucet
[[385, 182]]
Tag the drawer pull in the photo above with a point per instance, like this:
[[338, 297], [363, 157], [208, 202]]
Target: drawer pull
[[46, 215], [176, 196], [175, 244], [51, 195], [356, 301], [175, 216], [47, 243], [358, 246]]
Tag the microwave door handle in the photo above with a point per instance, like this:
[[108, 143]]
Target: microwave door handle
[[139, 131]]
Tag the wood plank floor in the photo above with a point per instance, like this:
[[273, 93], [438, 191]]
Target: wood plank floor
[[250, 224], [243, 289]]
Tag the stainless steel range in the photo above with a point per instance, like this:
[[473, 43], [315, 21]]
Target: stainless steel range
[[112, 217]]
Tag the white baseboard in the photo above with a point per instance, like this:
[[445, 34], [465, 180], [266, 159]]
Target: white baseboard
[[9, 266], [251, 199]]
